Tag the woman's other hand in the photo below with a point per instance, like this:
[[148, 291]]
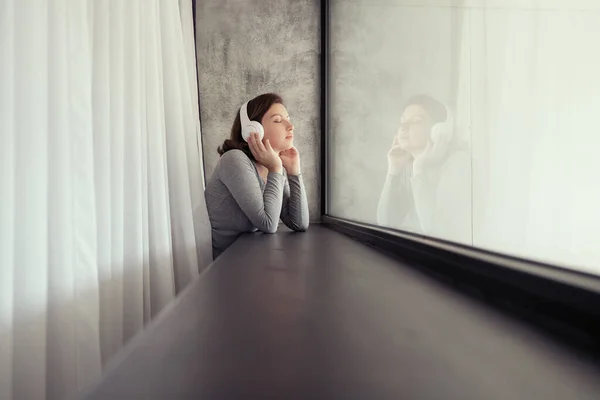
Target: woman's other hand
[[398, 158], [290, 159], [264, 153]]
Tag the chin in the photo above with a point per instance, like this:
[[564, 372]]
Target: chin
[[288, 144]]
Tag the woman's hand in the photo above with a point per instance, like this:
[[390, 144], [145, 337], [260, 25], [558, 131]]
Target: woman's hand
[[398, 158], [264, 153], [290, 159]]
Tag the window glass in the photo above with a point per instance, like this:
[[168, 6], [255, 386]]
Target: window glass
[[470, 121]]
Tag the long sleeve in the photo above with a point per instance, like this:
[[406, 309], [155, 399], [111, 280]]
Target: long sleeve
[[424, 188], [294, 211], [444, 204], [262, 209], [395, 200]]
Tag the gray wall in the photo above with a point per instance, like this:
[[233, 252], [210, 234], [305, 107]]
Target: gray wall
[[248, 47]]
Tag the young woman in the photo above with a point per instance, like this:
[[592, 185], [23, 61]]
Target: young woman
[[255, 183], [428, 185]]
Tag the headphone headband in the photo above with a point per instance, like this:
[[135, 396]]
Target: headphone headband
[[249, 126], [244, 118], [449, 115], [442, 132]]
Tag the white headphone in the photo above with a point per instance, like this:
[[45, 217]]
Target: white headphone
[[442, 132], [441, 136], [248, 126]]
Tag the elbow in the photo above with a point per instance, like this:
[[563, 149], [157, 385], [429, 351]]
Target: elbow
[[270, 228], [304, 226], [382, 216], [267, 224], [301, 226]]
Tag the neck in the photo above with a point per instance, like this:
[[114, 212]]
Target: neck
[[416, 153], [262, 170]]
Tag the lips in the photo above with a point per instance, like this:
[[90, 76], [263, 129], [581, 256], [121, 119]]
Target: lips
[[289, 137]]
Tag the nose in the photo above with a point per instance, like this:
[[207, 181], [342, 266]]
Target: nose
[[290, 126]]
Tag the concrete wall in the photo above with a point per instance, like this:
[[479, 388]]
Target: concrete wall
[[248, 47]]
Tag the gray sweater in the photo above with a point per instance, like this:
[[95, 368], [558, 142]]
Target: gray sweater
[[436, 204], [239, 201]]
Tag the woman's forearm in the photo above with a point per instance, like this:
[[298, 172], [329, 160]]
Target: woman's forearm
[[443, 200], [424, 193], [395, 200], [294, 212]]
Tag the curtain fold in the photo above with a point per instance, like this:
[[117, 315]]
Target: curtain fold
[[102, 220]]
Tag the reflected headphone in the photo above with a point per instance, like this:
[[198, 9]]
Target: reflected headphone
[[249, 126], [442, 132], [441, 136]]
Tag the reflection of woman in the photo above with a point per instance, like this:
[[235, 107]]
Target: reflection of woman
[[428, 184]]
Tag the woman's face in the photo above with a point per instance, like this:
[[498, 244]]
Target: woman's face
[[278, 128], [415, 128]]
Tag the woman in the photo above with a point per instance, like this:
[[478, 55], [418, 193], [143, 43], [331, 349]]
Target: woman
[[428, 185], [256, 183]]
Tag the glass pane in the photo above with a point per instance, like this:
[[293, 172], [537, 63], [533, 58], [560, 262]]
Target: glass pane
[[399, 118], [471, 121]]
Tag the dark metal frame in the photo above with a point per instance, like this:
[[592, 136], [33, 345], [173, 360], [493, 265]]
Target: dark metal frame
[[324, 74], [561, 301]]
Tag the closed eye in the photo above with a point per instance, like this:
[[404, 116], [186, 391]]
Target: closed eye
[[279, 120]]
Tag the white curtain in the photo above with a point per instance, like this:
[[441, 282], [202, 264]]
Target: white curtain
[[102, 215], [535, 93]]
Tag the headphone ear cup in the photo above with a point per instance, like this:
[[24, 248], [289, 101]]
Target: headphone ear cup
[[251, 127], [258, 128], [441, 132]]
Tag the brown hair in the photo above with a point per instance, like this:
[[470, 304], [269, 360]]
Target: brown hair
[[436, 109], [438, 113], [257, 108]]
